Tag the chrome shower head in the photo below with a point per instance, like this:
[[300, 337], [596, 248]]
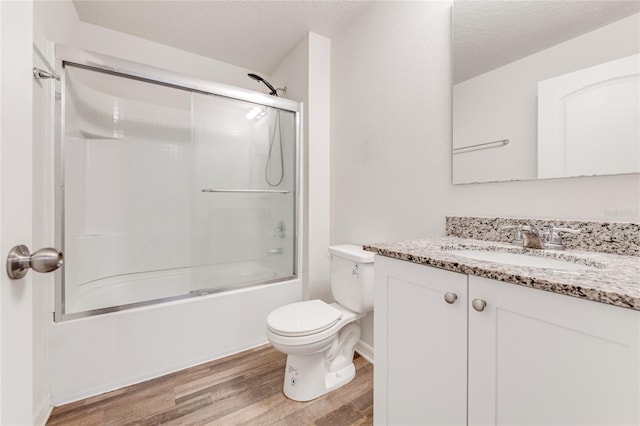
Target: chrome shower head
[[259, 79]]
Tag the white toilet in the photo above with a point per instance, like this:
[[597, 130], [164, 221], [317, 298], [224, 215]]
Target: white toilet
[[319, 338]]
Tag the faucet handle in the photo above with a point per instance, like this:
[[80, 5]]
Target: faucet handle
[[555, 237], [567, 230], [532, 229]]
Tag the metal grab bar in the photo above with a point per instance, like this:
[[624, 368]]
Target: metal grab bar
[[481, 146], [267, 191]]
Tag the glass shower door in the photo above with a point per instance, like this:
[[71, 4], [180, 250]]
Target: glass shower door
[[168, 192], [244, 193], [127, 154]]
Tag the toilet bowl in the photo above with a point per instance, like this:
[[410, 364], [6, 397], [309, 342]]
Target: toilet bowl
[[319, 338]]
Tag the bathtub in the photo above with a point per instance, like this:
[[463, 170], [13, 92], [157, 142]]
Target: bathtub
[[96, 354]]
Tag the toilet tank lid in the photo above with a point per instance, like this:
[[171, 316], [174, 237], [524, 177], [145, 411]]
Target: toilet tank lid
[[352, 252]]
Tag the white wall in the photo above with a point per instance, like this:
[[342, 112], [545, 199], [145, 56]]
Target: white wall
[[503, 103], [60, 23], [306, 73], [391, 140], [390, 133], [318, 123]]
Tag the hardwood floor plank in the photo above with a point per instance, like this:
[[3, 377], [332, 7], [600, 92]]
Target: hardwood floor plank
[[247, 394], [176, 413], [255, 414], [364, 401], [227, 370], [245, 388], [234, 384], [94, 417], [346, 415]]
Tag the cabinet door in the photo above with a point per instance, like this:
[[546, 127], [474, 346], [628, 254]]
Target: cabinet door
[[541, 358], [420, 345]]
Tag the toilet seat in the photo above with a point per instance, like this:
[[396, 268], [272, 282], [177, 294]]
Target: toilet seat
[[329, 332], [303, 318]]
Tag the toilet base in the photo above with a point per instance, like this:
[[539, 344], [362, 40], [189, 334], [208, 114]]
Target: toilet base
[[305, 377]]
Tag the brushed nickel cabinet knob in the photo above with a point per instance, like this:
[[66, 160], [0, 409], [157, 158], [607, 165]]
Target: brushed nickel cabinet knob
[[478, 304], [450, 298]]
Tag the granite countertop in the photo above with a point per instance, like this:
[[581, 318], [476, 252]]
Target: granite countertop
[[613, 279]]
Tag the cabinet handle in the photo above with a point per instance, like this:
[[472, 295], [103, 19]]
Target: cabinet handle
[[478, 304], [450, 298]]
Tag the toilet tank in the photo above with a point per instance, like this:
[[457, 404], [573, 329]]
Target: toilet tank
[[352, 277]]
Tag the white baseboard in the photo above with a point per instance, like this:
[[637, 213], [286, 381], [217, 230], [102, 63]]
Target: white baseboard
[[365, 351], [43, 412]]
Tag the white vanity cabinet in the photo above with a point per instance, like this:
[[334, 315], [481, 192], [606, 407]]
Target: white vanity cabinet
[[542, 358], [526, 357], [421, 345]]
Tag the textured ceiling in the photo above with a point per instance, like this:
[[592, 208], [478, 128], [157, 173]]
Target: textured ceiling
[[252, 34], [489, 34]]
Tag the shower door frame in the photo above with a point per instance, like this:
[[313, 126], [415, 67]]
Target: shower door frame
[[79, 58]]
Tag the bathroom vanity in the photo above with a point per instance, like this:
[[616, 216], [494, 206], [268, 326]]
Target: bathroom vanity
[[462, 340]]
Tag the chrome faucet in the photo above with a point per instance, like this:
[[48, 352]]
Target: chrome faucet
[[530, 236]]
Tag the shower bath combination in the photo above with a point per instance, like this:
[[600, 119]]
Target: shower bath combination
[[187, 149]]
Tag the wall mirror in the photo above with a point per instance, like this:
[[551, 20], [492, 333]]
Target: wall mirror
[[545, 89]]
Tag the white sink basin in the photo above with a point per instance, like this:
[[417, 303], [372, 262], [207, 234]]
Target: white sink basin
[[521, 260]]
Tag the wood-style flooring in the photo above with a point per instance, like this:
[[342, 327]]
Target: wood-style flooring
[[242, 389]]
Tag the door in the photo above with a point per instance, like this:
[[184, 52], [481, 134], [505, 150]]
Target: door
[[26, 195], [588, 121], [421, 345], [16, 213], [541, 358]]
